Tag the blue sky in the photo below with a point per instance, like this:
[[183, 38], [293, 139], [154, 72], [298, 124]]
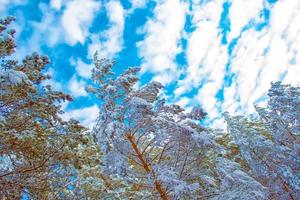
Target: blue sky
[[221, 54]]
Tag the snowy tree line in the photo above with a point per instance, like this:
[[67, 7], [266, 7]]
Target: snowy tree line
[[141, 147]]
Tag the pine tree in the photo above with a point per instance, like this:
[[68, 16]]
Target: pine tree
[[159, 149], [141, 147], [270, 143], [41, 156]]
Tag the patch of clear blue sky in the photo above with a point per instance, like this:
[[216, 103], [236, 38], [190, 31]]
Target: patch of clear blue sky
[[272, 1], [225, 21], [265, 14]]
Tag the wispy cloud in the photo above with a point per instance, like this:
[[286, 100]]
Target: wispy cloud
[[77, 87], [135, 4], [70, 25], [110, 42], [57, 86], [56, 4], [83, 69], [261, 57], [86, 115], [241, 12], [161, 42], [206, 57], [77, 18], [260, 47], [220, 54]]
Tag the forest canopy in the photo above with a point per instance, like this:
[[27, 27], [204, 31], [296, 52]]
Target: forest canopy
[[141, 147]]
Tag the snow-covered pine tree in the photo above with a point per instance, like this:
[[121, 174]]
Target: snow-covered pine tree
[[149, 148], [270, 143], [41, 156], [159, 149]]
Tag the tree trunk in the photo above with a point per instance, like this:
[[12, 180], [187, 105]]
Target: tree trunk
[[147, 166]]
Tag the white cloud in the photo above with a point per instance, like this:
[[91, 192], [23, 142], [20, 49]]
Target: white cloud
[[258, 58], [204, 54], [57, 86], [255, 68], [240, 14], [292, 76], [231, 103], [56, 4], [69, 26], [206, 96], [45, 32], [162, 40], [87, 115], [138, 3], [77, 19], [135, 4], [77, 87], [110, 42], [82, 69], [206, 58], [183, 102]]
